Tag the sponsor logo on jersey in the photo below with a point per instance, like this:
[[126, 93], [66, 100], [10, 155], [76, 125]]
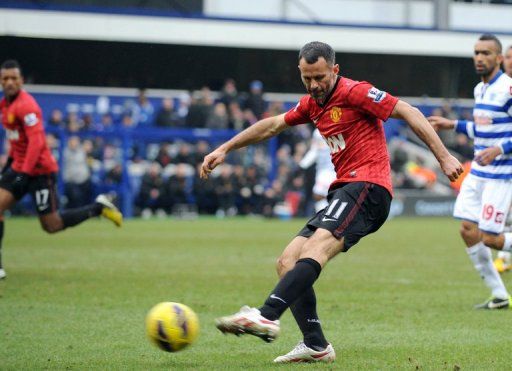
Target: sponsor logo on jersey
[[376, 94], [12, 134], [336, 143], [336, 114], [30, 119]]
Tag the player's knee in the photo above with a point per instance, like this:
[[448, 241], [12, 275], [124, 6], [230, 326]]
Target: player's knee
[[50, 228], [283, 265], [491, 241], [468, 230]]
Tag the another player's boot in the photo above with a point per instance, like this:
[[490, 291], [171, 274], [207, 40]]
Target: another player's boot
[[2, 274], [109, 210], [494, 303], [302, 353], [249, 321]]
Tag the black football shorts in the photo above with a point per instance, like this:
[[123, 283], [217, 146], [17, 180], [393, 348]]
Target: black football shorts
[[42, 188], [354, 211]]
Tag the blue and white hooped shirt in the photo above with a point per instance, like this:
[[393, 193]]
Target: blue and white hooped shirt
[[492, 126]]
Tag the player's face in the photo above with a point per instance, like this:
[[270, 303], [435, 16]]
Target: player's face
[[12, 81], [507, 62], [486, 57], [318, 78]]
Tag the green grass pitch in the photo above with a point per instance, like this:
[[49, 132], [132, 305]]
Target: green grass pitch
[[401, 299]]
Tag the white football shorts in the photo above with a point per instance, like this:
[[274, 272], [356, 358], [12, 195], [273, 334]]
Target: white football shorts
[[485, 202]]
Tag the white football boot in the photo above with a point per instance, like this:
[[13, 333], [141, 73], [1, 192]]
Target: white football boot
[[302, 353], [2, 273], [249, 321]]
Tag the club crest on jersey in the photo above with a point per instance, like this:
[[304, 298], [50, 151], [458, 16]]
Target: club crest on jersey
[[336, 114], [30, 119], [376, 94], [10, 118]]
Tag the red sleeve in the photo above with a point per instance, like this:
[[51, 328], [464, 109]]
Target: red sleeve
[[367, 98], [31, 118], [299, 114]]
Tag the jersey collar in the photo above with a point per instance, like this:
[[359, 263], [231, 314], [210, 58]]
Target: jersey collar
[[493, 80], [338, 78]]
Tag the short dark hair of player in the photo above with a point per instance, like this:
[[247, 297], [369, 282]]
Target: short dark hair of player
[[316, 49], [10, 63], [491, 37]]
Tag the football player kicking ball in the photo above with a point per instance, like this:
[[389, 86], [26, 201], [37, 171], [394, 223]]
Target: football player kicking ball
[[31, 167], [349, 116]]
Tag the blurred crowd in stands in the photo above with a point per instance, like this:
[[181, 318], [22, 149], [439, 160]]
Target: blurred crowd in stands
[[164, 175]]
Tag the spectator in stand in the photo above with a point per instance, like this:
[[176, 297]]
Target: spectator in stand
[[73, 123], [229, 93], [56, 119], [274, 108], [204, 193], [142, 111], [127, 121], [150, 195], [88, 122], [201, 150], [249, 117], [106, 123], [167, 116], [183, 107], [200, 108], [254, 100], [251, 191], [225, 191], [76, 174], [163, 156], [463, 147], [237, 119], [219, 118], [184, 155], [177, 188], [114, 175]]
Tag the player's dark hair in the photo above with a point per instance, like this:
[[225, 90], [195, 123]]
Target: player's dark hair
[[491, 37], [10, 63], [316, 49]]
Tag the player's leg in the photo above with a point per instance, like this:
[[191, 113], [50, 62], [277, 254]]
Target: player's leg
[[8, 197], [304, 308], [6, 201], [355, 210], [44, 193], [468, 207]]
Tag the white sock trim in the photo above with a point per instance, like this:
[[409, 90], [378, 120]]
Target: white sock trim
[[507, 245]]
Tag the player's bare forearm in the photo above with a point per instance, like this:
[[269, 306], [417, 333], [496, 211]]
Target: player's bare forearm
[[421, 127], [256, 133]]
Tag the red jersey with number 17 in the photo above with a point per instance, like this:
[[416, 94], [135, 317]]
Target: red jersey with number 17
[[350, 121], [23, 123]]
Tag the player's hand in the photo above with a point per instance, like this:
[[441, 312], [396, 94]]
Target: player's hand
[[211, 161], [486, 156], [441, 123], [451, 167], [20, 183]]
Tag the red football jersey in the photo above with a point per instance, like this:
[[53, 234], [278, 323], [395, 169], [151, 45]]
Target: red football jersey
[[350, 121], [23, 123]]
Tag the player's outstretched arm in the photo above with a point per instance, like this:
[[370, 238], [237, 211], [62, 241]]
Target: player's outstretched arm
[[441, 123], [255, 133], [421, 127]]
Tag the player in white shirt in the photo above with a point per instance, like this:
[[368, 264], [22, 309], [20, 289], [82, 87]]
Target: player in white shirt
[[486, 193], [319, 153], [503, 261]]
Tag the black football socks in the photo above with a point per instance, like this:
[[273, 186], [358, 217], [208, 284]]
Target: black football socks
[[293, 285], [76, 216], [304, 312]]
